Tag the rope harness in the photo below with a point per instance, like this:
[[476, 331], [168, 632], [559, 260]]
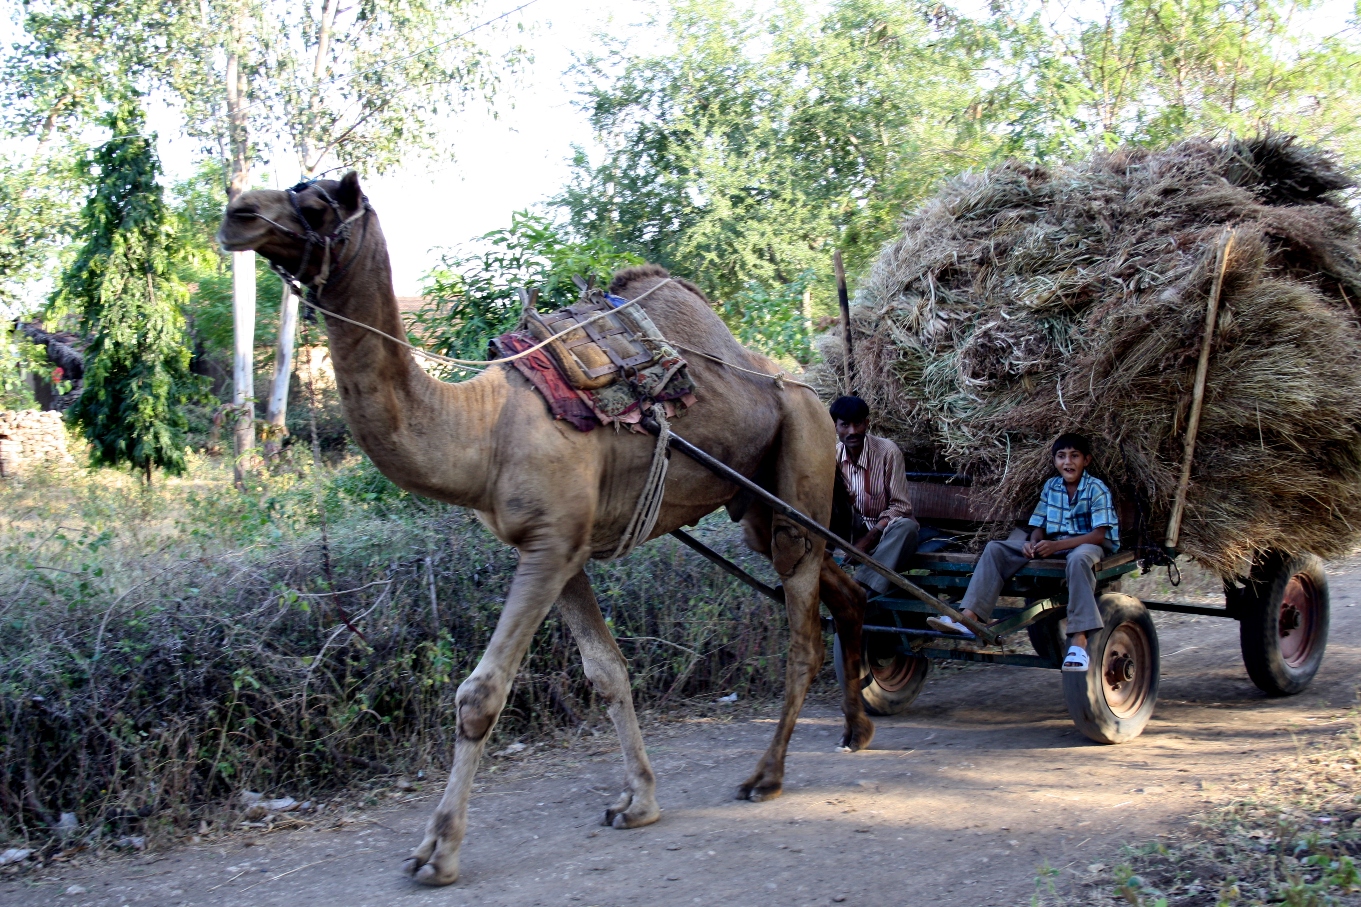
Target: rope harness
[[649, 504]]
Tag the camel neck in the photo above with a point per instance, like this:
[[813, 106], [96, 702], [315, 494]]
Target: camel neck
[[429, 437]]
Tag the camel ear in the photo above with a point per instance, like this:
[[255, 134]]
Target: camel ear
[[350, 193]]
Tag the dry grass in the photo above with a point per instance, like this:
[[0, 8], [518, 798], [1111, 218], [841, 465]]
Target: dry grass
[[161, 650], [1025, 301]]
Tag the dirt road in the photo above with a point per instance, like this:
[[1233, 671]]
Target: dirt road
[[960, 802]]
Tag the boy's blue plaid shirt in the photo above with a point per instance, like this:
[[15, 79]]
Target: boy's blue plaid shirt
[[1091, 508]]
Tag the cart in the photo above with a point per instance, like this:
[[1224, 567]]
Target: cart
[[1282, 610]]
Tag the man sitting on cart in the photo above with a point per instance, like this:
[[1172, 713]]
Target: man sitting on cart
[[1074, 519], [872, 468]]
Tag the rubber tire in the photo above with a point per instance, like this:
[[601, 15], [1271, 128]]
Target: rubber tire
[[1084, 694], [1259, 622], [879, 701], [1047, 639]]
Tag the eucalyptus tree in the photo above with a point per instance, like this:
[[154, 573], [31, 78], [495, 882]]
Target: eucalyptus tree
[[368, 85], [764, 140], [1074, 78]]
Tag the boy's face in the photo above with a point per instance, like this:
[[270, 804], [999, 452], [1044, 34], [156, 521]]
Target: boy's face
[[1071, 463]]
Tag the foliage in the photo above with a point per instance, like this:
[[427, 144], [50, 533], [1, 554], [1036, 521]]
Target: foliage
[[474, 293], [772, 321], [137, 365], [764, 141], [164, 648], [1151, 72]]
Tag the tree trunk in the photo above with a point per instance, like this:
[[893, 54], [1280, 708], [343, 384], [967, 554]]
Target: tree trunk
[[243, 263], [243, 365], [277, 411]]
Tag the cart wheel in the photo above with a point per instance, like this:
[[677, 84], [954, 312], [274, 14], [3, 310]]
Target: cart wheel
[[891, 681], [1113, 701], [1047, 639], [1284, 626]]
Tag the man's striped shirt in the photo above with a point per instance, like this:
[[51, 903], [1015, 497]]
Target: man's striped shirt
[[878, 483]]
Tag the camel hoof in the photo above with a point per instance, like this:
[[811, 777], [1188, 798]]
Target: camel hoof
[[427, 871], [632, 812], [857, 735], [761, 792]]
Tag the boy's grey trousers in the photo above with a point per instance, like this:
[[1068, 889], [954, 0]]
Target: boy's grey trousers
[[1003, 560]]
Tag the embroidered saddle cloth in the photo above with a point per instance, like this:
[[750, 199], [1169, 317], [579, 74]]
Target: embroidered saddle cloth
[[599, 370]]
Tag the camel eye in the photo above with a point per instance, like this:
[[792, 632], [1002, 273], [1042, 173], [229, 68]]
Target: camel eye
[[242, 213], [314, 217]]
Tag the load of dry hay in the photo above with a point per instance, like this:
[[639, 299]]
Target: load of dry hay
[[1025, 301]]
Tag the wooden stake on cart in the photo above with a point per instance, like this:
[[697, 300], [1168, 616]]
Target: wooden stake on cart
[[845, 300], [1198, 392]]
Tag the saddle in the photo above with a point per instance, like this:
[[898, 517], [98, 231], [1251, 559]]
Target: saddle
[[611, 359]]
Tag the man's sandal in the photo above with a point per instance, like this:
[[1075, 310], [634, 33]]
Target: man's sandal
[[1076, 661], [946, 624]]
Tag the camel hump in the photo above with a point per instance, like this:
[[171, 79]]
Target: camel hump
[[627, 276]]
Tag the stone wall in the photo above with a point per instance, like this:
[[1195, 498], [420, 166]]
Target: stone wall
[[29, 437]]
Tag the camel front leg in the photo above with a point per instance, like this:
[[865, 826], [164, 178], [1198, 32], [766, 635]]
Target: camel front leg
[[797, 557], [480, 699], [609, 674]]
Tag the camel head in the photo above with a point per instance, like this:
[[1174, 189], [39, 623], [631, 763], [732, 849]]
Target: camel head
[[295, 228]]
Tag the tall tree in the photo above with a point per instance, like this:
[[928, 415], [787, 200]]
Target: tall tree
[[761, 142], [1074, 78], [372, 82], [137, 366]]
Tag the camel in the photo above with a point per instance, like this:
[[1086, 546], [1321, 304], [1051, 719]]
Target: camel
[[559, 495]]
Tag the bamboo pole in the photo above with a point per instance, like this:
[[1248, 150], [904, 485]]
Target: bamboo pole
[[845, 300], [1198, 392]]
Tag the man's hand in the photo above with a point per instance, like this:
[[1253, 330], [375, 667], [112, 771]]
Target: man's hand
[[870, 540], [1045, 548], [1028, 549]]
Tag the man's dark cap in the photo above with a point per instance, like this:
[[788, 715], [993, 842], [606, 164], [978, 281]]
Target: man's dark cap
[[849, 409]]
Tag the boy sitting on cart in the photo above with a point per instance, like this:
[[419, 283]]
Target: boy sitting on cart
[[1074, 519]]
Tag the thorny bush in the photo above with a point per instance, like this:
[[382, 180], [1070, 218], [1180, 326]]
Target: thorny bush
[[162, 649]]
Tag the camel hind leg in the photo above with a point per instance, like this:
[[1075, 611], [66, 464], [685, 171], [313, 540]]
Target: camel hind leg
[[608, 672], [804, 472]]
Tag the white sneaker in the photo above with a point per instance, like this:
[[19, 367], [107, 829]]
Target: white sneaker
[[946, 624]]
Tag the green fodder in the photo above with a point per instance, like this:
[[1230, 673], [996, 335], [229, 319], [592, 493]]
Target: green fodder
[[1024, 301], [161, 650]]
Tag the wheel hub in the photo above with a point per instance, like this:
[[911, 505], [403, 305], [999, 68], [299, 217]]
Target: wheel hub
[[1298, 621], [1127, 669], [1120, 670]]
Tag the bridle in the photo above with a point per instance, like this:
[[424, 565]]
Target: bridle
[[331, 244]]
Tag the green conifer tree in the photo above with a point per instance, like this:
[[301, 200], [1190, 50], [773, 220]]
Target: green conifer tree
[[122, 284]]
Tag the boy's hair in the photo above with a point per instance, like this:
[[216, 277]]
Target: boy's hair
[[1075, 441], [849, 409]]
